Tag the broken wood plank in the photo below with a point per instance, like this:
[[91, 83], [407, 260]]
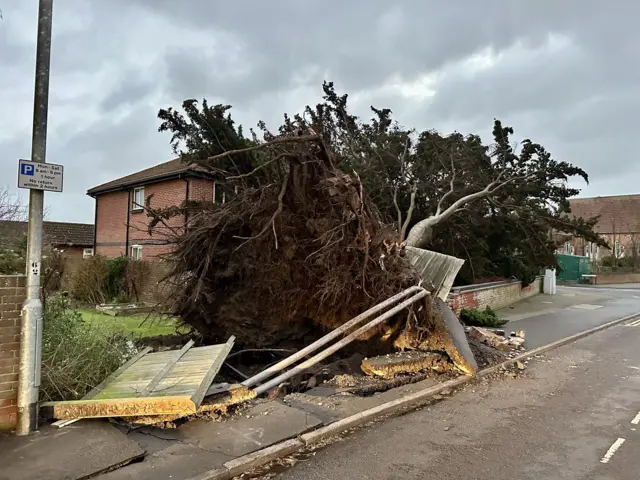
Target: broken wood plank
[[97, 389], [124, 407], [387, 366], [200, 393], [162, 373]]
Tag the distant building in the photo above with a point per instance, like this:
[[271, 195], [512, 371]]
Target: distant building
[[120, 217], [619, 224], [73, 239]]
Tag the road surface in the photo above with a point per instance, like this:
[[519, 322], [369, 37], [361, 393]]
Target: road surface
[[574, 414], [547, 318]]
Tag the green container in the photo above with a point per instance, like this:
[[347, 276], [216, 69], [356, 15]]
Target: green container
[[572, 267]]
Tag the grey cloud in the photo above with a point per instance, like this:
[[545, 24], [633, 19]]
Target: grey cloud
[[116, 62]]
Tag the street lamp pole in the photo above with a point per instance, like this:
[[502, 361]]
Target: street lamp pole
[[32, 313]]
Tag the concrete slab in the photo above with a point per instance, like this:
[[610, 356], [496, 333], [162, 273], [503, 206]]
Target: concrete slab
[[175, 462], [83, 449], [267, 424]]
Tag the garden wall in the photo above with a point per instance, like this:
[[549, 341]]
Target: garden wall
[[615, 278], [495, 294], [12, 295]]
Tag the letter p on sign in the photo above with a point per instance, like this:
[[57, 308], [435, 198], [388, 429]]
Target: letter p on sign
[[26, 169]]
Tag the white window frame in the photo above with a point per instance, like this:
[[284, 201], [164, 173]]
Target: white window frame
[[87, 252], [135, 206], [136, 252]]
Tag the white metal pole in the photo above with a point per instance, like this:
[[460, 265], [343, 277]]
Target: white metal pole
[[31, 325]]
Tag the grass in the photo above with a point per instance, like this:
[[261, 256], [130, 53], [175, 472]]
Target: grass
[[137, 325]]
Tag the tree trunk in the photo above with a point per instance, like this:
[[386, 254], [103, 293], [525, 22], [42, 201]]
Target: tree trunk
[[420, 234]]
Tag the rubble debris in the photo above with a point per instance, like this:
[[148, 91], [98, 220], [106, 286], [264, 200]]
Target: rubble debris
[[488, 338], [117, 309], [169, 383], [388, 366], [515, 340], [485, 355]]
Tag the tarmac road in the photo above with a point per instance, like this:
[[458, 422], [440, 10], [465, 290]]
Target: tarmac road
[[547, 318], [574, 414]]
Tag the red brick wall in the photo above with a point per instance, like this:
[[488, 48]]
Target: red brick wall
[[611, 278], [201, 189], [111, 223], [495, 296], [12, 295], [111, 226]]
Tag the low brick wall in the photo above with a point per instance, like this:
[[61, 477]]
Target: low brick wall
[[12, 296], [495, 294], [615, 278]]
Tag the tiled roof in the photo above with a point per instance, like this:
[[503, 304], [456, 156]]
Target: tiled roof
[[166, 169], [618, 214], [55, 233]]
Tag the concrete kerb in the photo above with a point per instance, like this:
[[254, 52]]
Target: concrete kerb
[[282, 449]]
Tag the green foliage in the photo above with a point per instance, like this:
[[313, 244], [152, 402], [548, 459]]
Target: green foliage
[[508, 232], [481, 318], [11, 262], [104, 280], [114, 283], [76, 356], [13, 258]]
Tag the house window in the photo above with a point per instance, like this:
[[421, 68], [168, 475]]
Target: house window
[[219, 195], [136, 252], [87, 252], [138, 199]]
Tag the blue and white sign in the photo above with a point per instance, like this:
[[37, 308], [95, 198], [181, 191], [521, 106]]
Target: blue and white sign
[[40, 176]]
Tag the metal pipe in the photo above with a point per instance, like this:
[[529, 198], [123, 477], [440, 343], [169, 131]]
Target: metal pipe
[[338, 345], [31, 323], [327, 338]]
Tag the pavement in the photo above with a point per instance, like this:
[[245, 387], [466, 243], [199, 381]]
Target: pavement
[[573, 414], [202, 445]]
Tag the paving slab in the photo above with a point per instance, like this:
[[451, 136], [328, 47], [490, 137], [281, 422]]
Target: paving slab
[[267, 423], [77, 451], [178, 461]]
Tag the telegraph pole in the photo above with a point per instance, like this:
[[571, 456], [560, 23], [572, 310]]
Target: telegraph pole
[[31, 324]]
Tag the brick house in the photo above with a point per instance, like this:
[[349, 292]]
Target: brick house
[[120, 219], [619, 224], [73, 239]]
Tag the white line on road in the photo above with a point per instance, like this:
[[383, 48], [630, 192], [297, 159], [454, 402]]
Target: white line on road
[[612, 450], [636, 420], [635, 323]]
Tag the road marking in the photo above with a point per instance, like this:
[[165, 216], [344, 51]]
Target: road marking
[[586, 306], [636, 420], [635, 323], [612, 450]]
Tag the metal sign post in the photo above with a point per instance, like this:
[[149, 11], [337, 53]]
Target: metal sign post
[[31, 324]]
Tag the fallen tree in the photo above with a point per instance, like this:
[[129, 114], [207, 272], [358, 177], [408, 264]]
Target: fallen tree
[[300, 252]]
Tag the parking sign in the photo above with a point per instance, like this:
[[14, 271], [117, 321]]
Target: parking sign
[[40, 176]]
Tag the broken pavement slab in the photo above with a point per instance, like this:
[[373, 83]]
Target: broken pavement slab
[[261, 426], [489, 338], [387, 366], [86, 448]]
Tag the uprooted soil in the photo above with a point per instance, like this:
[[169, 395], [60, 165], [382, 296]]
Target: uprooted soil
[[286, 261]]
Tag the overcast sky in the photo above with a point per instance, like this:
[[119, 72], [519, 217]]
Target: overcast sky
[[563, 73]]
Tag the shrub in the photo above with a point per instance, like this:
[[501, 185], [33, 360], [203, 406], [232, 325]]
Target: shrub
[[88, 282], [76, 356], [481, 318], [102, 280]]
